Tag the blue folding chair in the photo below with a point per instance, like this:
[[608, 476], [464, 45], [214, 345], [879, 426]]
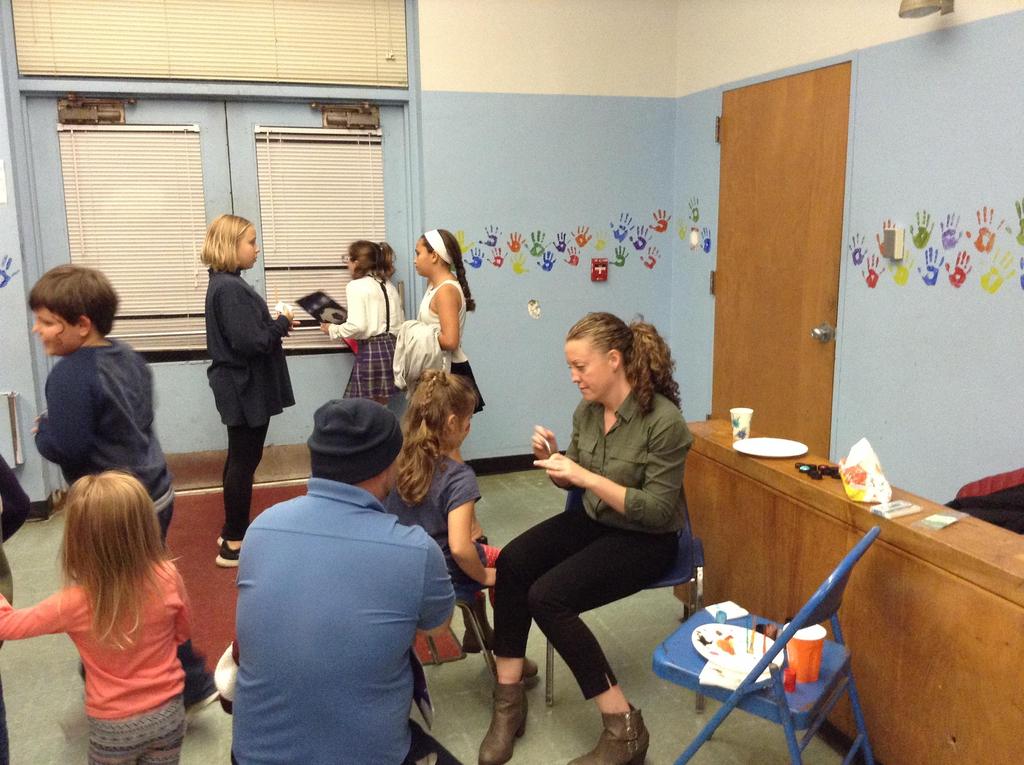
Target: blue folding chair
[[806, 708], [687, 568]]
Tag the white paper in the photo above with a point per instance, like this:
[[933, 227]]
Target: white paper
[[732, 610]]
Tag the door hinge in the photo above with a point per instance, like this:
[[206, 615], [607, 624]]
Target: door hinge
[[711, 283], [718, 129]]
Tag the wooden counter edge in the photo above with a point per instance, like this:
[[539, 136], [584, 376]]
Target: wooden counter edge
[[987, 555]]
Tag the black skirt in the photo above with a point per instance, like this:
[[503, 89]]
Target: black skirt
[[463, 369]]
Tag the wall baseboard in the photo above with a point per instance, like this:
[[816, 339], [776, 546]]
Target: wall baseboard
[[287, 462]]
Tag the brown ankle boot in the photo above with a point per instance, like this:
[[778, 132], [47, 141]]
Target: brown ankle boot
[[469, 642], [623, 741], [508, 722]]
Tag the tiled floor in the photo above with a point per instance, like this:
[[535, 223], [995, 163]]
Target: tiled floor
[[47, 723]]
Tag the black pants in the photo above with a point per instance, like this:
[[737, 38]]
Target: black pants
[[245, 450], [563, 567]]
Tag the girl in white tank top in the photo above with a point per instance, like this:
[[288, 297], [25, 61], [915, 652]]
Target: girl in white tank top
[[437, 255]]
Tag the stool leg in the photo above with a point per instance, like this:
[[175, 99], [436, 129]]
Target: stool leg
[[549, 675], [474, 625]]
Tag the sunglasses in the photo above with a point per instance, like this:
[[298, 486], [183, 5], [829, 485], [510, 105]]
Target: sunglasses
[[817, 471]]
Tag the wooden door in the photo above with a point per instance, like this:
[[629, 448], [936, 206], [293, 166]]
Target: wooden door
[[783, 171]]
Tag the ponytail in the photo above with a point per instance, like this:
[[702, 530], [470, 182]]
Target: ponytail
[[451, 244], [648, 362], [371, 259], [424, 429]]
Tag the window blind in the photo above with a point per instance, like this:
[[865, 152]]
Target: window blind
[[353, 42], [320, 190], [135, 210]]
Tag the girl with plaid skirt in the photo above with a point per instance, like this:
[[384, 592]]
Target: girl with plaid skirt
[[374, 313]]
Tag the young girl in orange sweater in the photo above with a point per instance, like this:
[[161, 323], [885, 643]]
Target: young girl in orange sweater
[[124, 606]]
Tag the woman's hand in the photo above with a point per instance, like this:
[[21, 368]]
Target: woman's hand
[[490, 576], [562, 470], [325, 327], [543, 442]]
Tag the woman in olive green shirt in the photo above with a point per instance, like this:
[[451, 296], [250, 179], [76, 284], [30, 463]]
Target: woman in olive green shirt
[[627, 454]]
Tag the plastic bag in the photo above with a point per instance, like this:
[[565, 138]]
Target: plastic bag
[[862, 475]]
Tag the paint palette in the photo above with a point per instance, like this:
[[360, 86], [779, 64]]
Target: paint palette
[[726, 646]]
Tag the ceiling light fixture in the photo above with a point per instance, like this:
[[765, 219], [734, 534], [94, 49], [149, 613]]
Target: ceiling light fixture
[[912, 9]]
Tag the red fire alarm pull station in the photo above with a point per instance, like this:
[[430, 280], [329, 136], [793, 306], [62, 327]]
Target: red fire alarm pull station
[[599, 269]]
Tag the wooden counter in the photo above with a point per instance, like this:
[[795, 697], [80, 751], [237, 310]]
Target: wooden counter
[[935, 619]]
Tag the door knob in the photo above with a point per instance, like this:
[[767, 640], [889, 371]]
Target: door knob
[[823, 332]]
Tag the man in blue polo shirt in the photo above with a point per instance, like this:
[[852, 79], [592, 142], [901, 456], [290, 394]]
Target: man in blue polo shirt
[[331, 592]]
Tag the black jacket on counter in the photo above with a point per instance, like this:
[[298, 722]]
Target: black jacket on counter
[[248, 373]]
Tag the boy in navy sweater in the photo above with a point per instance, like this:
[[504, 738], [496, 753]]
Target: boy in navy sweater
[[99, 400]]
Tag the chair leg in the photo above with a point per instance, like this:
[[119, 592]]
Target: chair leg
[[549, 675], [795, 756], [862, 728], [696, 604], [474, 625]]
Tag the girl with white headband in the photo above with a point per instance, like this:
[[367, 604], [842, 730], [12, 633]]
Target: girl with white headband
[[447, 298]]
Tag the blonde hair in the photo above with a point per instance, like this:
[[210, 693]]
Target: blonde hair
[[425, 430], [647, 360], [220, 248], [111, 549]]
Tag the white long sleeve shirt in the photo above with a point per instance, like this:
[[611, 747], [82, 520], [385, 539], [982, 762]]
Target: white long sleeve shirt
[[366, 311]]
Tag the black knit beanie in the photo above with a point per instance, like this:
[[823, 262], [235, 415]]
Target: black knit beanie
[[353, 439]]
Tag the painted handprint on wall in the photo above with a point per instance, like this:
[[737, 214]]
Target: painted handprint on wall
[[1000, 269], [602, 241], [661, 219], [1019, 206], [515, 242], [492, 237], [623, 228], [497, 257], [560, 242], [582, 236], [694, 238], [872, 273], [6, 274], [574, 257], [856, 249], [651, 258], [621, 253], [900, 272], [639, 238], [519, 264], [985, 239], [537, 243], [933, 261], [460, 237], [476, 258], [694, 209], [950, 232], [921, 231], [880, 238], [962, 267], [705, 239], [548, 261]]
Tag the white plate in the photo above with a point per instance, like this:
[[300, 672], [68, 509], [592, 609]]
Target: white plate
[[712, 641], [770, 447]]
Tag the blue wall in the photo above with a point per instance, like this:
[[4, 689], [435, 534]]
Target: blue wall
[[928, 373], [548, 164]]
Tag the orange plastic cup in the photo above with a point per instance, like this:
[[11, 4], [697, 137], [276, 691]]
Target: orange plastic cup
[[804, 653]]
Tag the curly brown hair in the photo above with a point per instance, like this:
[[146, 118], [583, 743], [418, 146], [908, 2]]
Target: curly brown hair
[[648, 362], [425, 430]]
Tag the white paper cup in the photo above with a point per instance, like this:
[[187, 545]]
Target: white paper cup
[[740, 417]]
